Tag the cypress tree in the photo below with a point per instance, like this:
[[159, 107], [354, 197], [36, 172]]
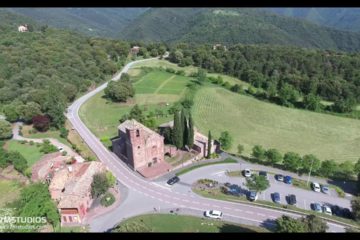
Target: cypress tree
[[178, 130], [185, 128], [209, 145], [190, 136]]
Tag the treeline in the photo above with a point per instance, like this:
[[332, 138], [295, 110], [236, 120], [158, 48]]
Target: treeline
[[292, 161], [286, 74], [42, 70]]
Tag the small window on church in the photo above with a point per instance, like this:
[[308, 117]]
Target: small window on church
[[137, 133]]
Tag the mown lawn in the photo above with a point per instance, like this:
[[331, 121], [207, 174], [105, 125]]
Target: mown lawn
[[252, 122], [181, 224], [30, 152], [9, 191]]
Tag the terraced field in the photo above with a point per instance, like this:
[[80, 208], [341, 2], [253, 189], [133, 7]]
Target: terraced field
[[251, 122], [155, 90]]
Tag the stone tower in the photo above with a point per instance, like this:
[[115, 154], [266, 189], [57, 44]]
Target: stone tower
[[135, 145]]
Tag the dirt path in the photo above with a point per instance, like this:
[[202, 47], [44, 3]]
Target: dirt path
[[53, 141]]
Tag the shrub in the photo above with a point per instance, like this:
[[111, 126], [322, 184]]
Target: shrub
[[64, 153], [31, 143], [107, 200], [41, 123]]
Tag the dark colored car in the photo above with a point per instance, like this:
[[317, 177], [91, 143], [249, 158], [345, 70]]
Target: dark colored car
[[287, 179], [292, 199], [227, 184], [346, 213], [263, 173], [276, 197], [336, 210], [235, 190], [173, 180], [279, 177]]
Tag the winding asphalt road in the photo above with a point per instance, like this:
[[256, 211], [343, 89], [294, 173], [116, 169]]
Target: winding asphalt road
[[143, 196]]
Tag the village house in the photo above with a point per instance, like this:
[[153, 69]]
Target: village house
[[135, 50], [217, 46], [23, 28], [70, 187]]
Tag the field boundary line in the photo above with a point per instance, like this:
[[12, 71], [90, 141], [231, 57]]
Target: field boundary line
[[163, 84]]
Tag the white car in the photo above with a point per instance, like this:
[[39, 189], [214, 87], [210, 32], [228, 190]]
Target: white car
[[61, 149], [316, 187], [213, 214], [327, 210], [247, 173]]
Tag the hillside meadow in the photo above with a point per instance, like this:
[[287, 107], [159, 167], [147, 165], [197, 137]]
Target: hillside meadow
[[252, 122]]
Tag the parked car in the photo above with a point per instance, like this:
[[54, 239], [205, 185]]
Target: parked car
[[213, 214], [173, 180], [276, 197], [263, 173], [316, 207], [325, 189], [327, 210], [253, 195], [279, 177], [61, 149], [247, 173], [316, 186], [227, 184], [235, 190], [292, 199], [336, 210], [287, 179], [345, 212]]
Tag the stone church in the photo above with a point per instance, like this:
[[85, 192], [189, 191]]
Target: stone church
[[138, 145], [144, 150]]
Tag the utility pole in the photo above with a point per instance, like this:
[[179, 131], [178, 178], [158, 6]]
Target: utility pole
[[310, 172]]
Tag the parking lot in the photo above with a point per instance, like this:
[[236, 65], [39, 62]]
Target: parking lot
[[304, 197]]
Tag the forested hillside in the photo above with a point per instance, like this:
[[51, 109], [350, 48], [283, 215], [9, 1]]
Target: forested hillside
[[103, 22], [341, 18], [233, 26], [43, 69], [286, 72]]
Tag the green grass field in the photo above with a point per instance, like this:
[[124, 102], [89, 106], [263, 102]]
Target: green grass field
[[31, 153], [26, 131], [181, 224], [154, 90], [251, 122], [9, 191]]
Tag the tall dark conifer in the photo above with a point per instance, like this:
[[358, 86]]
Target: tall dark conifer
[[185, 128], [190, 136], [178, 131], [209, 145]]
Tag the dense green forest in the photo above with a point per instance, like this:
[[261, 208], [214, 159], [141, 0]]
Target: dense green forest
[[235, 25], [287, 72], [340, 18], [101, 22], [43, 69]]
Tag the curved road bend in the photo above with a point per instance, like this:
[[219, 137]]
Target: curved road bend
[[160, 195]]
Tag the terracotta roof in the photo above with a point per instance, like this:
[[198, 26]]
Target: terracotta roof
[[76, 182]]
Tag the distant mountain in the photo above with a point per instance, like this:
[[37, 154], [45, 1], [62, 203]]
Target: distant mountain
[[231, 26], [104, 22], [341, 18]]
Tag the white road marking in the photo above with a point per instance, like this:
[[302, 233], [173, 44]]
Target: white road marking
[[164, 187], [249, 212]]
